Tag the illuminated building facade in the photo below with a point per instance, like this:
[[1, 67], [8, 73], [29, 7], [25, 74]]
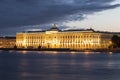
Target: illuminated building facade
[[7, 42], [72, 39]]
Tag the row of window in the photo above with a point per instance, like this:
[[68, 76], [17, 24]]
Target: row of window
[[34, 37]]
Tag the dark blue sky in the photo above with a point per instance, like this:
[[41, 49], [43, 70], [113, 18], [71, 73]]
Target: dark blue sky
[[19, 15]]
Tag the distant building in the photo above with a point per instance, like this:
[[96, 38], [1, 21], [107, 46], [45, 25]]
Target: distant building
[[72, 39], [7, 42]]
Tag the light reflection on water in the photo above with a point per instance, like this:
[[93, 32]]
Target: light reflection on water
[[52, 65]]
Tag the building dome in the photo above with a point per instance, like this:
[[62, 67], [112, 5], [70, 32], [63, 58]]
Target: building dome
[[54, 28]]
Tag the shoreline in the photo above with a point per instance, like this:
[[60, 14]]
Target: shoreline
[[64, 49]]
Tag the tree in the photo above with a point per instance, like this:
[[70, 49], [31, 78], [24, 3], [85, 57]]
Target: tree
[[39, 47], [115, 41], [15, 47]]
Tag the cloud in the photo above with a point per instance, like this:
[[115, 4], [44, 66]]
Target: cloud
[[16, 13]]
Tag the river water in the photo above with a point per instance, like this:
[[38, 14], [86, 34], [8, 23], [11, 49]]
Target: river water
[[51, 65]]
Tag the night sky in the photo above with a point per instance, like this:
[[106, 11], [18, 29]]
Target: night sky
[[22, 15]]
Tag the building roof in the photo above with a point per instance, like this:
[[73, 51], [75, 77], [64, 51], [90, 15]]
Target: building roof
[[8, 37], [84, 30], [32, 31]]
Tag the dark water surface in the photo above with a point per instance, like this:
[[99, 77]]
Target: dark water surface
[[33, 65]]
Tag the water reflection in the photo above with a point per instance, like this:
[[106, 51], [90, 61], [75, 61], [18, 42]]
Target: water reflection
[[110, 53], [36, 65], [1, 51]]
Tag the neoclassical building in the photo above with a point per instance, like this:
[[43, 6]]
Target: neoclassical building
[[72, 39]]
